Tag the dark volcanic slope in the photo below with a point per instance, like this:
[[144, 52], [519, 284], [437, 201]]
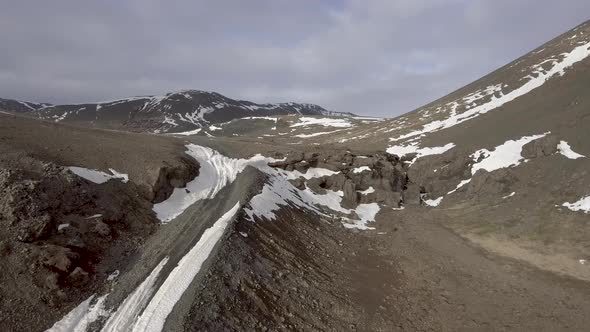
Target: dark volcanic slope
[[61, 234], [172, 112]]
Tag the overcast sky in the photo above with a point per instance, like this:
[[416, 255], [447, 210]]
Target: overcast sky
[[377, 57]]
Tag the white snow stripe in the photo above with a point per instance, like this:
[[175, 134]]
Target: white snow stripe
[[576, 55], [188, 133], [361, 169], [154, 316], [80, 317], [402, 150], [325, 122], [126, 315], [315, 134]]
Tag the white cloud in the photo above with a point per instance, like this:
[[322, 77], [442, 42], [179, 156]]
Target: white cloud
[[381, 57]]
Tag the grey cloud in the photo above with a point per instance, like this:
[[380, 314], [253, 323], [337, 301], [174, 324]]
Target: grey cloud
[[380, 57]]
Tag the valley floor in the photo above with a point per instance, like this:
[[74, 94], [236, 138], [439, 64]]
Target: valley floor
[[451, 285], [298, 272]]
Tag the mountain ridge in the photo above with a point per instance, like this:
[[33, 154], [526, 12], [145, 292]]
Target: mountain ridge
[[178, 111]]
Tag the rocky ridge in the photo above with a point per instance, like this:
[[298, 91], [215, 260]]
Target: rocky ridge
[[381, 178]]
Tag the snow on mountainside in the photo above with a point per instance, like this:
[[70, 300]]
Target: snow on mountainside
[[544, 72], [173, 112], [18, 106]]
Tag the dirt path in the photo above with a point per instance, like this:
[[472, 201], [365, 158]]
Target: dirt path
[[451, 285]]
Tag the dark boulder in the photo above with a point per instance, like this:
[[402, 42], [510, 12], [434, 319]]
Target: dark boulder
[[298, 183], [484, 183], [57, 258], [411, 196], [350, 198], [544, 146]]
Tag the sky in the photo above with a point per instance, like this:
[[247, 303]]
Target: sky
[[369, 57]]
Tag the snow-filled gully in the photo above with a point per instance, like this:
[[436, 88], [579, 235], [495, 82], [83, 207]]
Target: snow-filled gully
[[154, 315], [147, 307], [217, 171]]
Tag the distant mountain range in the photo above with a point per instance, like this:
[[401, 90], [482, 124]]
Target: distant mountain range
[[172, 112], [16, 106]]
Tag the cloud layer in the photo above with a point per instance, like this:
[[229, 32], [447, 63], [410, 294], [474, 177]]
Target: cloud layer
[[379, 57]]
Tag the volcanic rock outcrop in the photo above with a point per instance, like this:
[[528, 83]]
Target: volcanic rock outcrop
[[380, 178]]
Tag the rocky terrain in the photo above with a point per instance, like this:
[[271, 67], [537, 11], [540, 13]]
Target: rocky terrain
[[63, 235], [468, 214]]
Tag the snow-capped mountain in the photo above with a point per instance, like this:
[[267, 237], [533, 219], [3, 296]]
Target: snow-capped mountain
[[17, 106], [173, 112]]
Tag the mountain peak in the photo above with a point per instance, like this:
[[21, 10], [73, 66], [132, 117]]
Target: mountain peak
[[175, 111]]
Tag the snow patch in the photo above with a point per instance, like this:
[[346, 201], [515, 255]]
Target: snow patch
[[367, 118], [279, 192], [564, 148], [26, 104], [582, 205], [361, 169], [188, 133], [260, 118], [509, 195], [169, 121], [98, 177], [315, 134], [461, 184], [367, 191], [366, 214], [325, 122], [113, 275], [402, 150], [215, 173], [312, 172], [80, 317], [506, 155], [433, 202]]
